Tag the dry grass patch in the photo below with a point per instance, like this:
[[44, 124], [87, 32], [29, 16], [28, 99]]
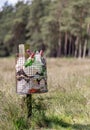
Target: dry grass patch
[[65, 107]]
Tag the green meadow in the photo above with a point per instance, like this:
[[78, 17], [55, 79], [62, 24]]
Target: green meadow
[[66, 106]]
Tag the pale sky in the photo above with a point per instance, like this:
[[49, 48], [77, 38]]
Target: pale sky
[[9, 1], [13, 2]]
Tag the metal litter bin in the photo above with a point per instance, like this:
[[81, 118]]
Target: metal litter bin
[[31, 73]]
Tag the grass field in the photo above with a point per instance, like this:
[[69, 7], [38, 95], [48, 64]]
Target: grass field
[[65, 107]]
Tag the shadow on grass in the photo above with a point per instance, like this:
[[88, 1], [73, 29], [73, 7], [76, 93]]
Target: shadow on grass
[[40, 119], [55, 121]]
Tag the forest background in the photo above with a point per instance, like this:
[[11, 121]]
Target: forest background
[[59, 27]]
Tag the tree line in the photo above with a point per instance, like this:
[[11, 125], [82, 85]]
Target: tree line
[[59, 27]]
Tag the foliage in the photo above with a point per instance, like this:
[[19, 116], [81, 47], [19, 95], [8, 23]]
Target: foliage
[[60, 27]]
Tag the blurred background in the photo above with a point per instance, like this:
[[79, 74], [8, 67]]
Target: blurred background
[[59, 27], [62, 29]]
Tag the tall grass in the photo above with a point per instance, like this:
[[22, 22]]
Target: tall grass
[[65, 107]]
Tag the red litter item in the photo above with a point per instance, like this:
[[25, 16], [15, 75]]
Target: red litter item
[[33, 90], [28, 52], [41, 52], [32, 55]]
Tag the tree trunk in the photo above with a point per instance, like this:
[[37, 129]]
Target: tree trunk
[[88, 32], [73, 49], [65, 46], [80, 50], [70, 39], [76, 46], [59, 47], [84, 49], [89, 51]]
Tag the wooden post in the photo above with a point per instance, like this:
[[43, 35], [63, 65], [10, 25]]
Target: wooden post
[[22, 50], [29, 105]]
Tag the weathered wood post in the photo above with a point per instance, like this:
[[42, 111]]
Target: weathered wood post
[[29, 105], [28, 96]]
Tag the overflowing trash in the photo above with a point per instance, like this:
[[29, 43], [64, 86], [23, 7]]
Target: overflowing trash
[[31, 72]]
